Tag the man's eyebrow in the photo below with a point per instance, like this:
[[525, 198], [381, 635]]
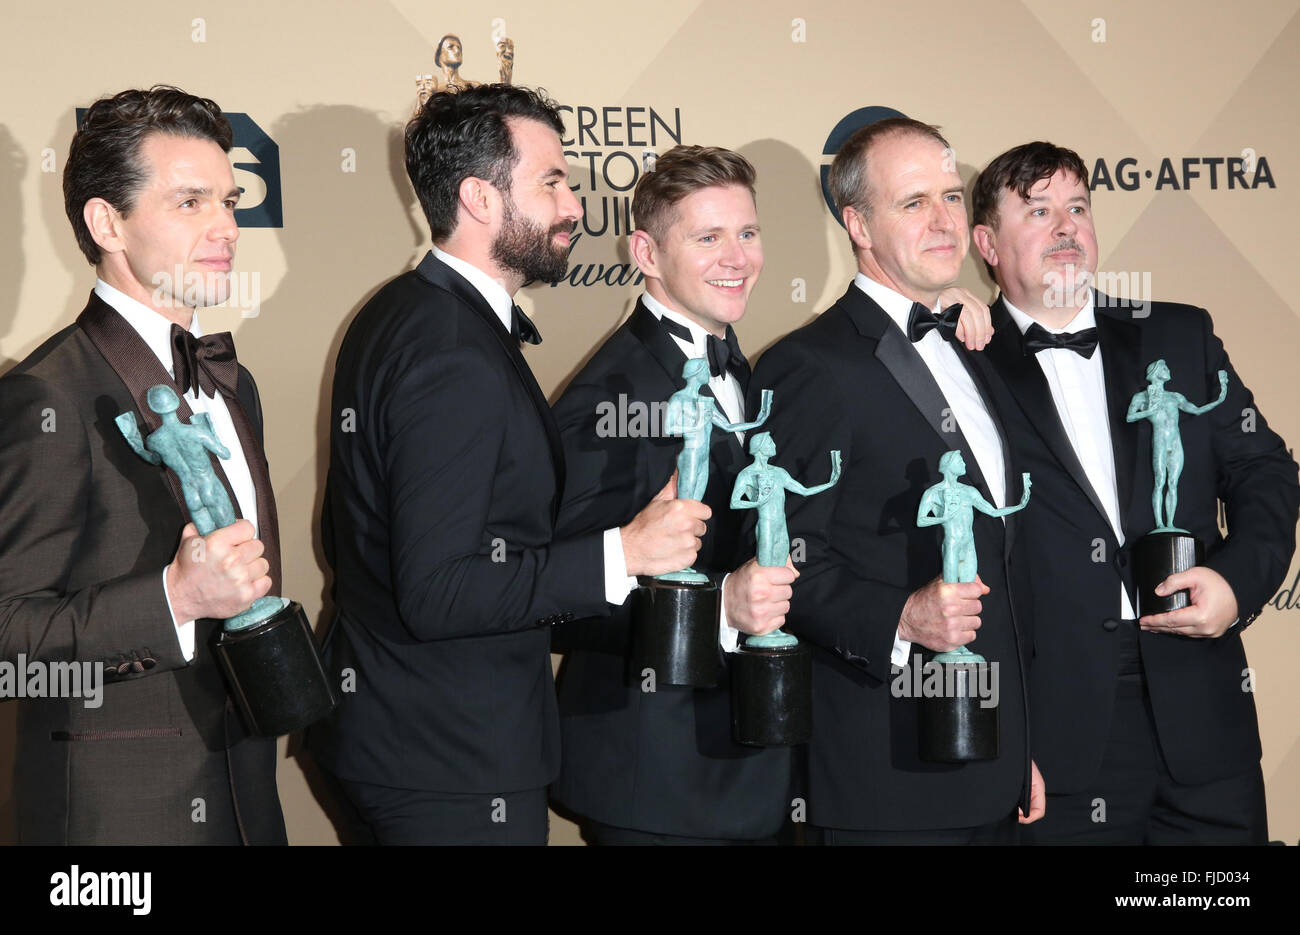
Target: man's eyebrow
[[555, 173]]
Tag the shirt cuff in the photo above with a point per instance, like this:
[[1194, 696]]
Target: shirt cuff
[[618, 585], [728, 636], [184, 631], [902, 651]]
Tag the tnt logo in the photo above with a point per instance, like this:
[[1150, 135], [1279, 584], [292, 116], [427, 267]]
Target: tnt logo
[[843, 130], [256, 161]]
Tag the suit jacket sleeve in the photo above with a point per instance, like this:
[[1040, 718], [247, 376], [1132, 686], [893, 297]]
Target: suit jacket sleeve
[[444, 437], [833, 606], [1256, 482], [45, 502]]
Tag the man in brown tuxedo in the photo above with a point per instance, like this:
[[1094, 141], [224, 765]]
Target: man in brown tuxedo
[[98, 565]]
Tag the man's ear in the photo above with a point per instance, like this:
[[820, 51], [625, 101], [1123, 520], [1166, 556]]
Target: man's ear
[[476, 197], [645, 253], [105, 225], [986, 243], [856, 225]]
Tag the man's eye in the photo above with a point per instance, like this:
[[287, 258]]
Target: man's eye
[[708, 238], [189, 203]]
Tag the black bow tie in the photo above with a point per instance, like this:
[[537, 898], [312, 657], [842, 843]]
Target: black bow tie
[[523, 329], [921, 321], [1037, 338], [724, 353], [207, 363]]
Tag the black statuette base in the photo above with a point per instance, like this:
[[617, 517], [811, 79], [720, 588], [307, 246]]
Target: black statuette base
[[275, 673], [675, 633], [1157, 556], [771, 696], [956, 728]]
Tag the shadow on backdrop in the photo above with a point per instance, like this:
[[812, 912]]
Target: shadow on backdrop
[[351, 223]]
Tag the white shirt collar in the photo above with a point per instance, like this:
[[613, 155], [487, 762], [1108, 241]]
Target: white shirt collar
[[699, 337], [1086, 318], [896, 305], [153, 328], [492, 291]]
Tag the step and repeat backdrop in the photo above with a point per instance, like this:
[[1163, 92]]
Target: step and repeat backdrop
[[1185, 116]]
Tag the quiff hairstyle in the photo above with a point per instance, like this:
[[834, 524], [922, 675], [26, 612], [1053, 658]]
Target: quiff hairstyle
[[680, 172]]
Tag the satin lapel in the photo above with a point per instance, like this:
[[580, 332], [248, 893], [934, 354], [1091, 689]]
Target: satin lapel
[[1120, 345], [139, 369], [1024, 377], [914, 378], [646, 328], [439, 273], [978, 366]]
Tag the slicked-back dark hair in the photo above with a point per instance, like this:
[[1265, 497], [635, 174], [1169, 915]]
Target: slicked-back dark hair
[[1019, 170], [104, 160], [463, 133], [682, 171]]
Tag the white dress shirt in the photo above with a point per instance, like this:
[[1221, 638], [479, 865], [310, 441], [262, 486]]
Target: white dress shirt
[[155, 331], [618, 584], [1078, 386], [968, 409], [726, 390]]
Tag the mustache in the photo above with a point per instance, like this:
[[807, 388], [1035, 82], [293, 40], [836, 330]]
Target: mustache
[[1067, 244]]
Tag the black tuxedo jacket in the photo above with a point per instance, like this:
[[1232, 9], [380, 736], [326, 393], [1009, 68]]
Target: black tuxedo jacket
[[663, 761], [1203, 717], [86, 528], [850, 380], [439, 522]]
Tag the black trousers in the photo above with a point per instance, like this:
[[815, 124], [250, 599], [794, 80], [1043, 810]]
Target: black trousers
[[593, 832], [1002, 831], [411, 816], [1134, 800]]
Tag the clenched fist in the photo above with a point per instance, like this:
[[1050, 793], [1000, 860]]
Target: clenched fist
[[666, 535], [217, 575]]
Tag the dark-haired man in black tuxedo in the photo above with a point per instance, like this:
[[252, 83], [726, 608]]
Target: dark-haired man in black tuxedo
[[98, 564], [657, 765], [879, 377], [446, 472], [1143, 724]]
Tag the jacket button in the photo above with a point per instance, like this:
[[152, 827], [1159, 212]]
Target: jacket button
[[1110, 624]]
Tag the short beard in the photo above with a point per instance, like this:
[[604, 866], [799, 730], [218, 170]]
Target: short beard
[[523, 246]]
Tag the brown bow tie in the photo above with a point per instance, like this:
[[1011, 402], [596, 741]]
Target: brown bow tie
[[207, 363]]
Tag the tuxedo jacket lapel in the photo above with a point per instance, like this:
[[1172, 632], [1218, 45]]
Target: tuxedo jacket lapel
[[1120, 343], [909, 371], [139, 369], [439, 273], [646, 328], [1023, 375]]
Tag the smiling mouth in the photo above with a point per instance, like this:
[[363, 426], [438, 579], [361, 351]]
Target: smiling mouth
[[726, 283]]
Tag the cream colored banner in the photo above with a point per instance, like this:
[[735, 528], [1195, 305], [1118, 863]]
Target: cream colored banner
[[1186, 112]]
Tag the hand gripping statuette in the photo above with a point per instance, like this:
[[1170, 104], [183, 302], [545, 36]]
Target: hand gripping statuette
[[771, 675], [956, 726], [1166, 549], [676, 614], [268, 651]]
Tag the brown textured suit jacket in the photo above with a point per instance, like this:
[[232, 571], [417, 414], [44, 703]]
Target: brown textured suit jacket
[[86, 528]]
